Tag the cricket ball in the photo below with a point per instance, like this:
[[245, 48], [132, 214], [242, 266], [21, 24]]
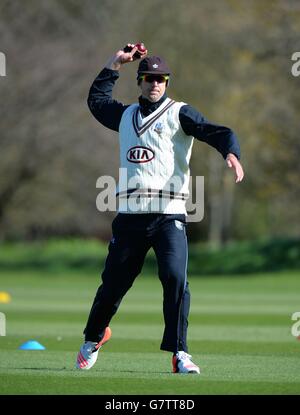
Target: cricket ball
[[141, 47], [140, 50]]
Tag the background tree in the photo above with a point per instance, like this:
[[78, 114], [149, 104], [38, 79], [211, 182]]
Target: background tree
[[230, 59]]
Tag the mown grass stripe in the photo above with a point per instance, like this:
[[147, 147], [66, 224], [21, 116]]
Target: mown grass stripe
[[239, 333]]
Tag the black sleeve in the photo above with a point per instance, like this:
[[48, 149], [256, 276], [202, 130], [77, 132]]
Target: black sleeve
[[221, 138], [104, 108]]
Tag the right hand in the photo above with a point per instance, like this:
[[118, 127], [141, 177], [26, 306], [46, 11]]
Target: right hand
[[121, 57]]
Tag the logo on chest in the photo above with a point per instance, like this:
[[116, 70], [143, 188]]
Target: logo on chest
[[158, 128], [140, 154]]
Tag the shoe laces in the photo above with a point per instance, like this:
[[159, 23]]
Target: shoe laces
[[183, 356], [90, 347]]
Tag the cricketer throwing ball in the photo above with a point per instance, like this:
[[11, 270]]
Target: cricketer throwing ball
[[156, 135]]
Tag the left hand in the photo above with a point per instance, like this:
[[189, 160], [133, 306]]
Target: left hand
[[233, 163]]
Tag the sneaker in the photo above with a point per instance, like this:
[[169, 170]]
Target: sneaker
[[88, 352], [182, 363]]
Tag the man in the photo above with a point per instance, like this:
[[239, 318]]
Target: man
[[156, 137]]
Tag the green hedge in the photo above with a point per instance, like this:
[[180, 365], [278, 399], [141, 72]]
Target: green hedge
[[53, 254], [246, 257], [89, 255]]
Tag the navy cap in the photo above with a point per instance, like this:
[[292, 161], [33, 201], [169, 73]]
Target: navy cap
[[153, 65]]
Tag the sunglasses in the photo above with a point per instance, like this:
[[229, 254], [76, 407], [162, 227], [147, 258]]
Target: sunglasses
[[151, 78]]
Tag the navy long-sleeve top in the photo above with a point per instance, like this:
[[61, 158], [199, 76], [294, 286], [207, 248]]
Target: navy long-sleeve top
[[109, 112]]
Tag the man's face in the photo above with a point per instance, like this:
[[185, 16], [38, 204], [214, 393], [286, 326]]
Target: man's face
[[153, 86]]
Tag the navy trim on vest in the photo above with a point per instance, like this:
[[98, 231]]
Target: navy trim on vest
[[161, 194], [140, 130]]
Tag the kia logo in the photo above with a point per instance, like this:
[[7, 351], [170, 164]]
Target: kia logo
[[140, 154]]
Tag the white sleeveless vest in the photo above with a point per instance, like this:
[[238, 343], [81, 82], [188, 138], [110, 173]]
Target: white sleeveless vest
[[154, 161]]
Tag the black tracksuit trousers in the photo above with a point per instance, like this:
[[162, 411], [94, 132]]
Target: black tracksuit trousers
[[133, 236]]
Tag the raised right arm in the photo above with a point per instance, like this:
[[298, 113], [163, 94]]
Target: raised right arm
[[105, 109], [101, 104]]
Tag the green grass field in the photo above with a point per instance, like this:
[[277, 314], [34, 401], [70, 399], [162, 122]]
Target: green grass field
[[239, 334]]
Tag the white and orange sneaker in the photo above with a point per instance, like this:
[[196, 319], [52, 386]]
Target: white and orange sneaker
[[88, 352], [182, 363]]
